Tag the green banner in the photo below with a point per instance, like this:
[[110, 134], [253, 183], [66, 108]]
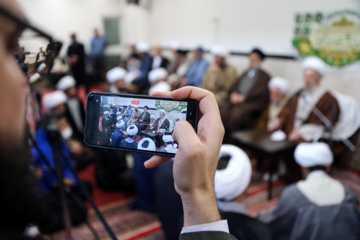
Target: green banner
[[333, 37], [170, 106]]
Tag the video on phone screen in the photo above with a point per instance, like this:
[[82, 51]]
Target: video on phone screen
[[143, 124]]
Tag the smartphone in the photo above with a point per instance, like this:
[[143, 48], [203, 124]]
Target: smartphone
[[136, 122]]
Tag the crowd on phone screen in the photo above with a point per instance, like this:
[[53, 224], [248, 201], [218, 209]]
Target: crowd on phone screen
[[126, 127], [251, 100]]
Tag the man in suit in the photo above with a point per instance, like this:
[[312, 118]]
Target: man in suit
[[76, 53], [159, 61]]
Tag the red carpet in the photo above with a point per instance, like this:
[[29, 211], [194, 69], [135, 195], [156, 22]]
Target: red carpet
[[101, 197]]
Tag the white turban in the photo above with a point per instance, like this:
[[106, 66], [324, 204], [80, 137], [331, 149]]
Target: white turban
[[120, 124], [315, 64], [146, 144], [157, 74], [132, 130], [106, 112], [313, 154], [167, 138], [118, 113], [34, 77], [280, 83], [163, 111], [152, 116], [218, 51], [233, 180], [65, 83], [54, 99], [115, 74], [119, 118], [41, 67], [143, 47], [174, 45]]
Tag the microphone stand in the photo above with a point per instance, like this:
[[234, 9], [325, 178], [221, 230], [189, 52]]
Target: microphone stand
[[83, 188]]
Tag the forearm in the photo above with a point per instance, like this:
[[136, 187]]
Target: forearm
[[200, 208]]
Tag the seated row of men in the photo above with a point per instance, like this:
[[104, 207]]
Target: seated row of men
[[131, 139], [119, 121]]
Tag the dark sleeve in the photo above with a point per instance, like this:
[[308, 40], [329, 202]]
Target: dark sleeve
[[166, 124], [164, 62], [329, 106], [260, 91], [69, 52], [155, 125], [209, 235], [237, 82], [147, 118]]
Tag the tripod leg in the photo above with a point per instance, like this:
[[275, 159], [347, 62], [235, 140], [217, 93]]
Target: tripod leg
[[92, 229]]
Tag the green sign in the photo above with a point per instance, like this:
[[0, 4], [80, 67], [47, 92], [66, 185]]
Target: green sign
[[333, 37], [170, 106]]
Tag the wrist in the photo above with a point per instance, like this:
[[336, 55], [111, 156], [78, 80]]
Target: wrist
[[199, 207]]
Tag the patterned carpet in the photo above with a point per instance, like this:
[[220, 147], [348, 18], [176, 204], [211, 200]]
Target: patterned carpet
[[131, 225]]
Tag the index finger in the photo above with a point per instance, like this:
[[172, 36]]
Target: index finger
[[210, 123]]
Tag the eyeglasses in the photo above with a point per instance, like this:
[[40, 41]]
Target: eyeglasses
[[38, 37]]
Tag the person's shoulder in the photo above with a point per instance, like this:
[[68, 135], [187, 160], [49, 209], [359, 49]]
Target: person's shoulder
[[230, 68], [290, 191], [207, 235], [329, 95]]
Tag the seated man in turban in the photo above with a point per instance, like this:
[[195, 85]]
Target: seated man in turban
[[306, 116], [144, 119], [247, 97], [129, 142], [318, 207], [160, 126], [219, 76], [278, 88], [117, 135]]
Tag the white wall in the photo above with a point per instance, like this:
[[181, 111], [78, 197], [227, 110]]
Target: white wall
[[236, 24], [62, 17]]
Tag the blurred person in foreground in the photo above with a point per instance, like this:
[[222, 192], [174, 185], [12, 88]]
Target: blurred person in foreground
[[20, 202], [319, 207], [193, 170], [232, 179]]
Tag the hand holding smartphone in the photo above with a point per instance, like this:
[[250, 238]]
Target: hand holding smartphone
[[135, 122]]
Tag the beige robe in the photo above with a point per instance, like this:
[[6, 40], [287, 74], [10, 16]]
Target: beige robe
[[219, 81]]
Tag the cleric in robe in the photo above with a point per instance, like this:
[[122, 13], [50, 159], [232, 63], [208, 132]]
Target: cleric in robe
[[319, 207], [248, 96], [144, 119], [300, 117]]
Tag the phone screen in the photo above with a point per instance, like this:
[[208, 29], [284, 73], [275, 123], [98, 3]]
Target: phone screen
[[136, 123]]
